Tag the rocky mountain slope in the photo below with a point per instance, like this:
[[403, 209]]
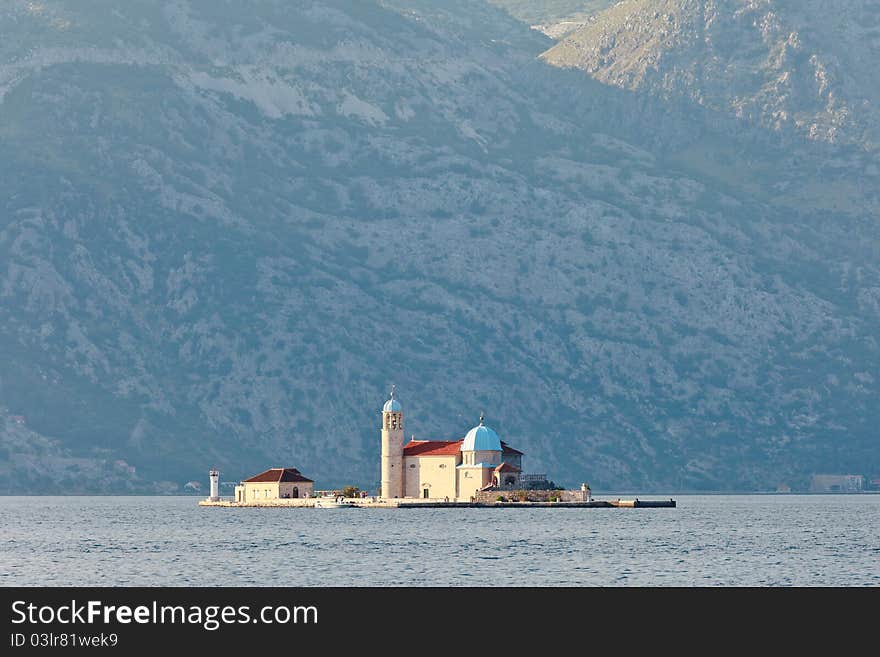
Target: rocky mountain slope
[[805, 66], [228, 227], [554, 18], [552, 12]]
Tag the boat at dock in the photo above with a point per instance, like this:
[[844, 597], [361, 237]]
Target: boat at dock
[[333, 503]]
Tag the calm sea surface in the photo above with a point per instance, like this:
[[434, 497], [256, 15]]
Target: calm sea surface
[[713, 540]]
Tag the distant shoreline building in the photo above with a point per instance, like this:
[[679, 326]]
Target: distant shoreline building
[[836, 483]]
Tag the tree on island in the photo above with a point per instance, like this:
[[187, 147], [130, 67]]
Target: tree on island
[[351, 491]]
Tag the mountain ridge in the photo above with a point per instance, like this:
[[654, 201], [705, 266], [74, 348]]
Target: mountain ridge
[[225, 234]]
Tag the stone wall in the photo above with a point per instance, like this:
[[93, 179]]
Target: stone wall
[[489, 496], [292, 502]]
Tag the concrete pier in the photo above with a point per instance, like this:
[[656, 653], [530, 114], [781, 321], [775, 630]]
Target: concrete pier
[[379, 503]]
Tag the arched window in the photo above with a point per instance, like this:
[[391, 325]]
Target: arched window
[[295, 491]]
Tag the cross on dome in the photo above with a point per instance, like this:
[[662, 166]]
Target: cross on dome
[[392, 404], [481, 438]]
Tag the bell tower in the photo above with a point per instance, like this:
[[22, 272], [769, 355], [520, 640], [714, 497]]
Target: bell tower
[[392, 448]]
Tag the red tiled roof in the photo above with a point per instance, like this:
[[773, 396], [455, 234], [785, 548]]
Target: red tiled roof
[[507, 449], [445, 448], [506, 467], [432, 448], [277, 475]]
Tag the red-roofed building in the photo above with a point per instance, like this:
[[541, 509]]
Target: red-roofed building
[[507, 475], [511, 455], [507, 450], [274, 484], [443, 469], [432, 448]]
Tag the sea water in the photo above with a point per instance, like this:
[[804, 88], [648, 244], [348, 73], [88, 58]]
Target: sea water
[[709, 540]]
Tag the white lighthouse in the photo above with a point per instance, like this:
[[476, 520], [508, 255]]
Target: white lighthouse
[[586, 493], [214, 476]]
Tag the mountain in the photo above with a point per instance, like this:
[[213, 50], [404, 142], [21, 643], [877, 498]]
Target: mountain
[[551, 11], [776, 63], [555, 18], [228, 227]]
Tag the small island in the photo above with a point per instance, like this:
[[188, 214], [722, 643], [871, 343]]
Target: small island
[[479, 470]]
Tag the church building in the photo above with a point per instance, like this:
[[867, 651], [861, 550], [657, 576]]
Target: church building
[[444, 469]]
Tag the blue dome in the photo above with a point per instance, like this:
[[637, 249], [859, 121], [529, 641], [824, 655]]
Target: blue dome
[[392, 405], [481, 438]]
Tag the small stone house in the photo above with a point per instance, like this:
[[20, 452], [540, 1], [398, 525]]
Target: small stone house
[[275, 484]]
